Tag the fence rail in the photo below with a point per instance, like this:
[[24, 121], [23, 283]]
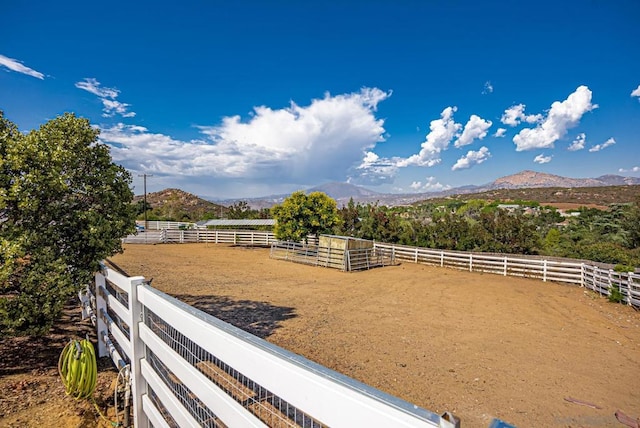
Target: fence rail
[[602, 281], [177, 236], [187, 368], [568, 271], [161, 224]]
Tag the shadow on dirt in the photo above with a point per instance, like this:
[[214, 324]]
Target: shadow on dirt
[[258, 318], [41, 353]]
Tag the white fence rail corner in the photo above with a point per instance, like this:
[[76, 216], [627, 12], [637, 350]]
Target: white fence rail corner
[[188, 368]]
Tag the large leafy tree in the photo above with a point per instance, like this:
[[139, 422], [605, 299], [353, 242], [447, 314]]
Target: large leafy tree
[[301, 215], [64, 206]]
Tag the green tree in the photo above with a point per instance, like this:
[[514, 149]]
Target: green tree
[[301, 215], [380, 224], [350, 218], [631, 224], [241, 210], [141, 207], [64, 205], [509, 233]]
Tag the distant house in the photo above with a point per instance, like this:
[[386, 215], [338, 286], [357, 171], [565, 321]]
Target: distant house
[[564, 213], [509, 207]]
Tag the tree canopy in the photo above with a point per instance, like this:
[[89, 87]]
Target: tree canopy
[[608, 236], [64, 205], [301, 215]]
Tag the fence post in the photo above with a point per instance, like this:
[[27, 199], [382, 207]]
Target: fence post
[[629, 288], [101, 305], [471, 262], [441, 258], [582, 275], [505, 265], [138, 383], [415, 257], [544, 271]]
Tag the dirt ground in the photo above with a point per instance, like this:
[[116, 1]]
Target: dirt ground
[[31, 392], [480, 346]]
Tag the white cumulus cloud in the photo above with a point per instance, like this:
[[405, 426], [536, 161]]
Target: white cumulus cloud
[[500, 132], [110, 106], [431, 185], [578, 143], [298, 144], [515, 114], [542, 159], [636, 92], [598, 147], [19, 67], [472, 158], [633, 169], [562, 116], [442, 131], [476, 128], [374, 170]]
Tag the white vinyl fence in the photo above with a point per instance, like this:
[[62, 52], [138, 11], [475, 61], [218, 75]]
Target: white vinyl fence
[[558, 270], [161, 224], [567, 271], [187, 368], [177, 236]]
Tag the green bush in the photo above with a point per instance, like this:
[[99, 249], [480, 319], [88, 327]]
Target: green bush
[[615, 295]]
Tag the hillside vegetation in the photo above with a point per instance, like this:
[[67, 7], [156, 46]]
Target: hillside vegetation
[[178, 205], [587, 196]]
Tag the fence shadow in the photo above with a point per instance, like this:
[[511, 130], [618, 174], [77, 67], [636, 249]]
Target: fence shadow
[[39, 354], [258, 318]]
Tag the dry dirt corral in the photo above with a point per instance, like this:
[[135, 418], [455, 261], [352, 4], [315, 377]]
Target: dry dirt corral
[[480, 346]]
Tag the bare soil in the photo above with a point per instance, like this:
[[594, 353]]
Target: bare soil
[[480, 346]]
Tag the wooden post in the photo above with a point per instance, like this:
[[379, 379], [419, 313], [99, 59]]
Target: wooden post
[[471, 262], [544, 271]]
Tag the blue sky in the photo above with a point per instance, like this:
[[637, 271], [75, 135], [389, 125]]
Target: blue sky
[[251, 98]]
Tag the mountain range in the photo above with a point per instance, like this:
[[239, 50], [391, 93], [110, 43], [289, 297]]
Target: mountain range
[[343, 192]]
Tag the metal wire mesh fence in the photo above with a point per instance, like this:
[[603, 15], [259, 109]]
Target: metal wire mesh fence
[[266, 406]]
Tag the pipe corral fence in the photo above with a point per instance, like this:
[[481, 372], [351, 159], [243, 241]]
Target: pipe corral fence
[[337, 252], [187, 369]]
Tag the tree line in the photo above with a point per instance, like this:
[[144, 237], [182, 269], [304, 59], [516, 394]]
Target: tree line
[[521, 227]]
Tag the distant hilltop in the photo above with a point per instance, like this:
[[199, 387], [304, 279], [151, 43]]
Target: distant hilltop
[[541, 179], [171, 201], [343, 192]]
